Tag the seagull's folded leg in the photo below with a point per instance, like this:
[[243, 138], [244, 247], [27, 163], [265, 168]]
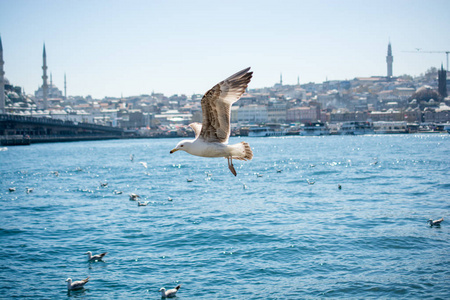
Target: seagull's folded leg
[[230, 165]]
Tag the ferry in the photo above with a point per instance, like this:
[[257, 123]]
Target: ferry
[[390, 127], [267, 130], [356, 128], [315, 129]]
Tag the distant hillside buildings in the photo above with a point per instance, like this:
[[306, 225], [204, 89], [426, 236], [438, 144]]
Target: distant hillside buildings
[[377, 98]]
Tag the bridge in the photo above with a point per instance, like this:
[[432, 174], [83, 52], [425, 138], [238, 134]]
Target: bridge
[[16, 129]]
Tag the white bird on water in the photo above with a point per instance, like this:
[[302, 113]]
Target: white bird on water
[[211, 137], [95, 257], [76, 285], [169, 293]]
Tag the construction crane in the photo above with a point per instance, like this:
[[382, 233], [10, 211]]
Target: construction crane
[[419, 50]]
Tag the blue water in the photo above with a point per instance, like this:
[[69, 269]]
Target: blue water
[[278, 238]]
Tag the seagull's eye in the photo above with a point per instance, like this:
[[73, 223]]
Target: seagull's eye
[[181, 145]]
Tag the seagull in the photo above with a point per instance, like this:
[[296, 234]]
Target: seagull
[[13, 189], [104, 184], [310, 181], [142, 203], [170, 199], [117, 192], [435, 222], [76, 285], [29, 190], [96, 257], [211, 137], [339, 186], [132, 157], [143, 163], [134, 197], [169, 293], [189, 180]]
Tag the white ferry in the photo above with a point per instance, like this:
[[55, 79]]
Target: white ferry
[[315, 129], [356, 128], [267, 130], [384, 127]]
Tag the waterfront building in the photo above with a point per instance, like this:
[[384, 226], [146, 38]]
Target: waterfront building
[[302, 114], [252, 113], [2, 80]]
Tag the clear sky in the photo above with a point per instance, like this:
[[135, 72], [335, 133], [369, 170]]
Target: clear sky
[[133, 47]]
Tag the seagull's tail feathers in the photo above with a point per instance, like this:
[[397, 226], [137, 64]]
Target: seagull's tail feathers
[[244, 152], [178, 287], [86, 280]]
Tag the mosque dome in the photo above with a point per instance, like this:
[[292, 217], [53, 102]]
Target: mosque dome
[[425, 93]]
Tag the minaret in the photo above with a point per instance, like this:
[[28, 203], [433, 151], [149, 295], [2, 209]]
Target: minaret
[[2, 81], [442, 82], [298, 80], [44, 78], [389, 60], [65, 87], [281, 79]]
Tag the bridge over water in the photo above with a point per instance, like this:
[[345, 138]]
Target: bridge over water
[[14, 128]]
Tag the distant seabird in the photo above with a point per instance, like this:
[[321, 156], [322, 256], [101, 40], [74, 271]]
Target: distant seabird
[[95, 257], [117, 192], [104, 184], [13, 189], [170, 199], [189, 180], [143, 164], [169, 293], [142, 203], [76, 285], [132, 157], [29, 190], [134, 197], [435, 222], [310, 181], [211, 137]]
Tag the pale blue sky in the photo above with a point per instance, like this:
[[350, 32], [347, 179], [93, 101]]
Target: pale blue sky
[[109, 48]]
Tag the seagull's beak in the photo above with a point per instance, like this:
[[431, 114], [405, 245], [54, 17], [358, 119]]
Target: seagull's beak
[[174, 150]]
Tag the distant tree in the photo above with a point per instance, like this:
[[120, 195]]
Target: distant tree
[[431, 74]]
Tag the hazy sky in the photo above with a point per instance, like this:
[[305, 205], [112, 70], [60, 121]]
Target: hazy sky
[[109, 48]]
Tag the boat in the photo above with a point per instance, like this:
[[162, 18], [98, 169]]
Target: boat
[[356, 128], [314, 129], [393, 127], [267, 130]]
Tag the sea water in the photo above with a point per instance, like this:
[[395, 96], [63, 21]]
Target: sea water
[[281, 229]]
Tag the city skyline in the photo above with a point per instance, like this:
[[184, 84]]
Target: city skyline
[[113, 48]]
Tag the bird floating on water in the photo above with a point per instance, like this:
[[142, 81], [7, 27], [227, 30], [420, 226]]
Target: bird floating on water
[[169, 293], [29, 190], [13, 189], [134, 196], [170, 199], [189, 180], [144, 164], [211, 137], [310, 181], [76, 285], [435, 222], [95, 257], [104, 184], [117, 192], [142, 203]]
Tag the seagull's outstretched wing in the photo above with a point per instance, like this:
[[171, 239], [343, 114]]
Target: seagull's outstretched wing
[[197, 127], [216, 106]]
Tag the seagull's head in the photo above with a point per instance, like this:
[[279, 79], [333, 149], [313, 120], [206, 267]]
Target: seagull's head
[[89, 252], [69, 280], [183, 145]]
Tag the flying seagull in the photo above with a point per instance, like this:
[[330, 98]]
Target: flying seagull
[[211, 137], [169, 293], [76, 285], [95, 257]]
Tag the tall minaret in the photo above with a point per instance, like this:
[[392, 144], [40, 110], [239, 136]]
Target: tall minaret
[[281, 78], [44, 78], [2, 81], [389, 60], [65, 87]]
